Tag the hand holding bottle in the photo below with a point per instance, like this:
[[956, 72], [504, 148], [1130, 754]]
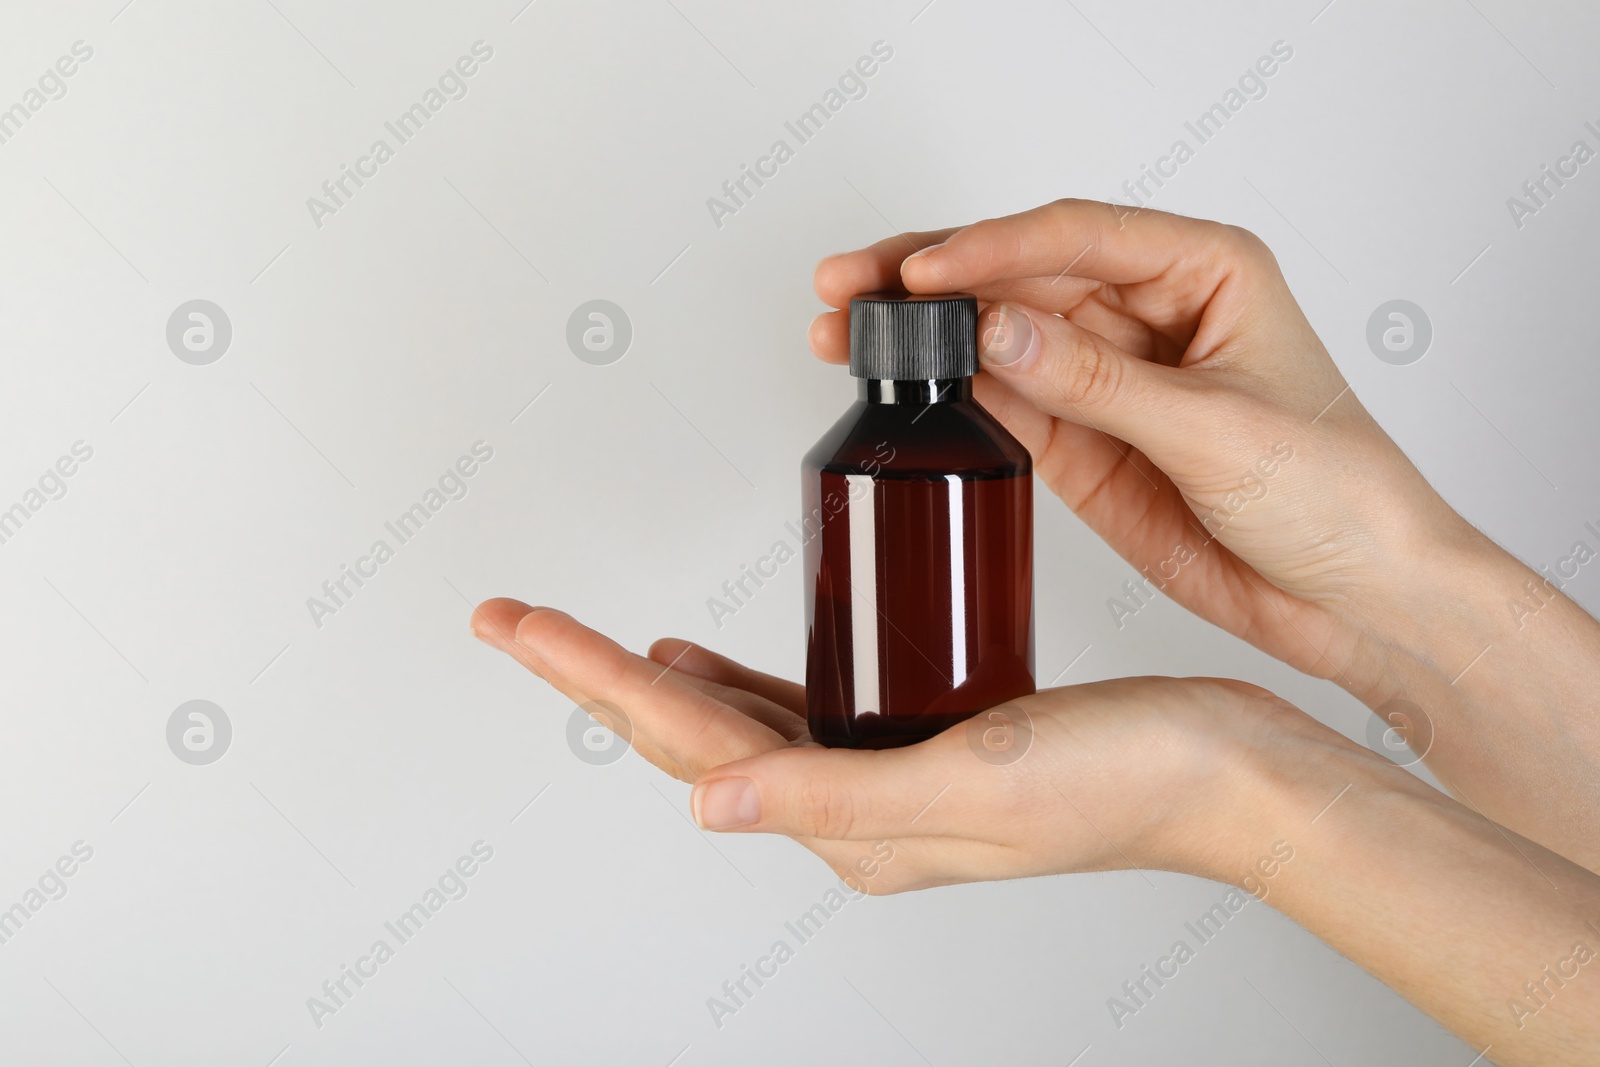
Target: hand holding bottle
[[1173, 394]]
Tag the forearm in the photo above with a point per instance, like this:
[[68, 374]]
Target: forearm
[[1492, 935], [1505, 670]]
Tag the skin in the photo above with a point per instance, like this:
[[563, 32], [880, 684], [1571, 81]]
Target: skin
[[1172, 393]]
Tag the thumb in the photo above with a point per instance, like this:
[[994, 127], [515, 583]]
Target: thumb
[[1078, 375], [832, 794]]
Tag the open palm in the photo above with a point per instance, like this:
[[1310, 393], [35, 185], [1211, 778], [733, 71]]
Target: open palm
[[1053, 782]]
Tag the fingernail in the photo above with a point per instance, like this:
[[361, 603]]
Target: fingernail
[[725, 803], [491, 635], [1008, 339], [500, 643], [927, 251]]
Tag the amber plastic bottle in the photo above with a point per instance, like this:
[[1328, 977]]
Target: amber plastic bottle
[[919, 537]]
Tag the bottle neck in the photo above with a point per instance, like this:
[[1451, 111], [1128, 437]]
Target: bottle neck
[[919, 391]]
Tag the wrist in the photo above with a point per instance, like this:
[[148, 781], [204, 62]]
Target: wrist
[[1448, 909], [1265, 772], [1424, 626], [1491, 683]]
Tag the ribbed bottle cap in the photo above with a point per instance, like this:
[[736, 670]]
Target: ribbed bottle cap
[[910, 337]]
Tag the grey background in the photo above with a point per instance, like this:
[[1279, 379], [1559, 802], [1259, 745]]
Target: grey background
[[370, 353]]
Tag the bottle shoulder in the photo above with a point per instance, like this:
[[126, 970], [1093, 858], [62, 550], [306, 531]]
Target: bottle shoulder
[[917, 441]]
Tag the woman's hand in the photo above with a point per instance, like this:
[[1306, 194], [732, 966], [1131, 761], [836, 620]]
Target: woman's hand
[[1203, 776], [1146, 772], [1173, 394]]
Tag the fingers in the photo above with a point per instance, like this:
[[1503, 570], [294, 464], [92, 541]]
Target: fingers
[[761, 696], [703, 663], [1050, 257], [1077, 375], [1076, 238], [835, 794], [829, 336], [867, 270], [870, 269], [495, 623], [690, 728]]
